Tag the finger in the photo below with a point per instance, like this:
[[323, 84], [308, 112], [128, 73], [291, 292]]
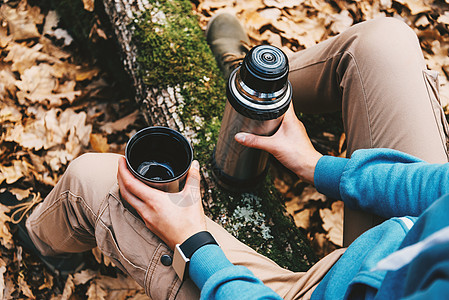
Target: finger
[[194, 177], [290, 116], [135, 202], [253, 141], [191, 193], [133, 185]]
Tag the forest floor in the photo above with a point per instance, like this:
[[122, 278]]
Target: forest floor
[[56, 105]]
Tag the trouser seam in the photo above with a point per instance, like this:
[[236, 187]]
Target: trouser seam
[[132, 215], [60, 199], [429, 94], [339, 80], [116, 246], [364, 97], [317, 62]]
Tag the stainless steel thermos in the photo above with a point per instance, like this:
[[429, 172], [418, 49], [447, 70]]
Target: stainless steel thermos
[[258, 94]]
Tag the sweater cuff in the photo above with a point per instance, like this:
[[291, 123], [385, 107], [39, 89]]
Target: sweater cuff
[[327, 175], [205, 262]]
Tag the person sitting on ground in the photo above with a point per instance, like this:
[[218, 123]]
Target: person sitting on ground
[[396, 168]]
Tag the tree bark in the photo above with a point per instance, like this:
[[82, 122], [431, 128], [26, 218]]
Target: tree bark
[[276, 234]]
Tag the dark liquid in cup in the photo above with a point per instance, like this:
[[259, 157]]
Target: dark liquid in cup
[[160, 157], [156, 170]]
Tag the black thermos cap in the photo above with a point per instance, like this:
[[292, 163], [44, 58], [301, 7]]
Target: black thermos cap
[[265, 69]]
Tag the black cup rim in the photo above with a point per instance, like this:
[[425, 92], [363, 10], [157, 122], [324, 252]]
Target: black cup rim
[[162, 129]]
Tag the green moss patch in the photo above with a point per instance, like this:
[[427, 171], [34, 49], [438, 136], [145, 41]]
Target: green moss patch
[[172, 52]]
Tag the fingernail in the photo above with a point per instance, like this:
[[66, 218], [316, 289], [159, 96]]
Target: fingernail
[[196, 165], [240, 137]]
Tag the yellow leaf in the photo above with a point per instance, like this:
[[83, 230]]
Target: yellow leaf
[[48, 281], [89, 5], [86, 74], [99, 143], [255, 21]]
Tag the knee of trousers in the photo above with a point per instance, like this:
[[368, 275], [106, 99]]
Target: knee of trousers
[[91, 177], [98, 168], [384, 38]]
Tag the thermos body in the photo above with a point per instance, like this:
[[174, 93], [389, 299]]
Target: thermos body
[[240, 162], [255, 105]]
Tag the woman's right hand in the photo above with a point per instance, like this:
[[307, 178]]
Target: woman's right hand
[[290, 145]]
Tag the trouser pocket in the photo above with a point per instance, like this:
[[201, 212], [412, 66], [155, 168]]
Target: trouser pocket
[[135, 249]]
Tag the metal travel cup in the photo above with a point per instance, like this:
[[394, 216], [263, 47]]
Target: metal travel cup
[[258, 94], [160, 157]]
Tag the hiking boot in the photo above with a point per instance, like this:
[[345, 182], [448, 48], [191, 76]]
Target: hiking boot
[[64, 264], [228, 41]]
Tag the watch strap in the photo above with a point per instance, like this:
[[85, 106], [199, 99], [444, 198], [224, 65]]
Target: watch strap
[[183, 252], [197, 241]]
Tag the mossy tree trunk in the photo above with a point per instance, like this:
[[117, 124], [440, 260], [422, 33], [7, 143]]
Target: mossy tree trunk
[[177, 83]]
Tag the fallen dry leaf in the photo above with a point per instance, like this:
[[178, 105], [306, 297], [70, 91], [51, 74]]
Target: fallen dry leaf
[[119, 288], [14, 172], [120, 124], [5, 235], [20, 193], [83, 276], [24, 287], [99, 143], [69, 287], [9, 113], [282, 3], [21, 24], [51, 22], [2, 282], [89, 5], [416, 6], [444, 19], [96, 291], [333, 222], [23, 58]]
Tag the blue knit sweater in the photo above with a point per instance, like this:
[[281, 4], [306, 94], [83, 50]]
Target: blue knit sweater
[[411, 193]]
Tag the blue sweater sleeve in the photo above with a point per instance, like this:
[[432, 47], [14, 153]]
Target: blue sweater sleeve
[[382, 181], [218, 278]]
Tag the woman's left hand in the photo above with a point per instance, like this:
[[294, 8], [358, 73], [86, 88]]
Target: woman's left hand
[[173, 217]]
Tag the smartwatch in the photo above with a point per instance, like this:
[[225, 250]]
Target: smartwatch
[[183, 252]]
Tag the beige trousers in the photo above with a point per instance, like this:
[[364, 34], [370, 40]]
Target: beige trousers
[[374, 72]]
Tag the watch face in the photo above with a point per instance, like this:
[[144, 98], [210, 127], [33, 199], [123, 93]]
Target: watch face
[[180, 263]]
